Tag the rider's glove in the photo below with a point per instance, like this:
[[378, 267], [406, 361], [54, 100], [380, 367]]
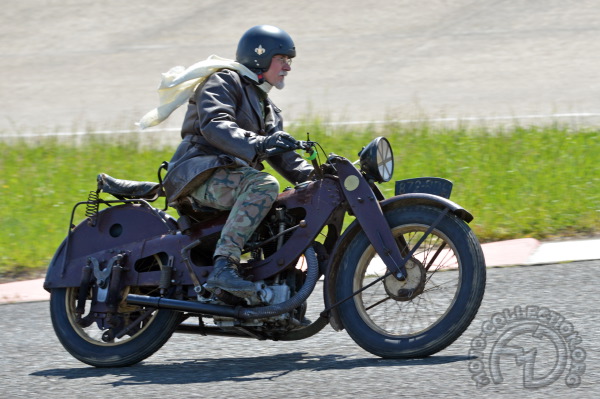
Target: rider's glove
[[276, 143]]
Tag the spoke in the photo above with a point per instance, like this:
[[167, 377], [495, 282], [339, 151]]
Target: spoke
[[437, 268], [437, 253], [378, 303], [402, 244], [406, 318], [438, 287], [449, 260], [141, 318]]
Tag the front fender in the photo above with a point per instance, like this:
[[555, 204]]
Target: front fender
[[427, 199], [351, 231]]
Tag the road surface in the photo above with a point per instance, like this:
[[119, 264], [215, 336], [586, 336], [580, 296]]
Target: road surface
[[80, 65], [34, 364]]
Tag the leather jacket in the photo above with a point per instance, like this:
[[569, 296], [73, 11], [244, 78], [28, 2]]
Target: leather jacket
[[224, 117]]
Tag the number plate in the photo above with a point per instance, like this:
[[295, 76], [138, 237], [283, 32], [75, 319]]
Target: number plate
[[428, 185]]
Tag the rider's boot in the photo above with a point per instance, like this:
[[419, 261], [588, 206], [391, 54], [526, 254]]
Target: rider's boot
[[225, 275]]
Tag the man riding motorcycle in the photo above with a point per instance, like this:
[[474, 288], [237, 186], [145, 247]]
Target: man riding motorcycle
[[230, 126]]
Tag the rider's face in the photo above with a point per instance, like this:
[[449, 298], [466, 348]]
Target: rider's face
[[279, 68]]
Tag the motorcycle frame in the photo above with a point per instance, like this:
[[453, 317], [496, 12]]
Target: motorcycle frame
[[325, 202]]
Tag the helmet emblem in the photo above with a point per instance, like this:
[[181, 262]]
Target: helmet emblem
[[260, 50]]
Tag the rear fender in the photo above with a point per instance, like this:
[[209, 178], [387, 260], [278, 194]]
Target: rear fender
[[125, 229], [398, 201]]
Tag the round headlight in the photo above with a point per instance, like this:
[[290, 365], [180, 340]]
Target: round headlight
[[377, 160]]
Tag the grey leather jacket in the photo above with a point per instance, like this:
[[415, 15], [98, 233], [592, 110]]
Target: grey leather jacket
[[224, 117]]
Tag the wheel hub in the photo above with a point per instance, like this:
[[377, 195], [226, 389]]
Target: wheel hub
[[409, 288]]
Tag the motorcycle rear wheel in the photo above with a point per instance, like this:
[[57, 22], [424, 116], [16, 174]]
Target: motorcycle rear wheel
[[436, 304], [86, 343]]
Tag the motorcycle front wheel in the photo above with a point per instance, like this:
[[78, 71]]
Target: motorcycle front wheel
[[109, 340], [429, 310]]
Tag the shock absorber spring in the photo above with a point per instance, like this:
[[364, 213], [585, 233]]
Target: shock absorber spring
[[92, 207]]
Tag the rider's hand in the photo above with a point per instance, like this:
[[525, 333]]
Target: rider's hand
[[276, 143]]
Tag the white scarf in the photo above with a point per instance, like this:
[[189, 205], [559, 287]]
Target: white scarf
[[179, 83]]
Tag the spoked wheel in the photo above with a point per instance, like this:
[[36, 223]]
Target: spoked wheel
[[102, 339], [433, 306]]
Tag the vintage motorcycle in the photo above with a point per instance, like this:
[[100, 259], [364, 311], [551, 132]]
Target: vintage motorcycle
[[405, 278]]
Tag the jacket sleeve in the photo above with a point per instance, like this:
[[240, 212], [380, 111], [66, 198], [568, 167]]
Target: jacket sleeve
[[227, 119], [216, 103], [291, 166]]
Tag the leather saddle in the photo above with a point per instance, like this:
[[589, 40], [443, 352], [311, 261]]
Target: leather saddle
[[131, 189]]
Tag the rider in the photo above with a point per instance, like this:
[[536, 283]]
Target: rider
[[230, 126]]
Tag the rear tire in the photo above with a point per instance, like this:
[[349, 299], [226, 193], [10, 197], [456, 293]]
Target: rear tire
[[86, 343], [445, 292]]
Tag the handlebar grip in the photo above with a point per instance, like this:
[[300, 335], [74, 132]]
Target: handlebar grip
[[309, 149], [305, 145]]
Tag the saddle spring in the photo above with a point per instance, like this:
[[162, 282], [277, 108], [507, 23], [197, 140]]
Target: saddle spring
[[92, 206]]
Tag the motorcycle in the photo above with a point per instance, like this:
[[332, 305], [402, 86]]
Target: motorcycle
[[405, 278]]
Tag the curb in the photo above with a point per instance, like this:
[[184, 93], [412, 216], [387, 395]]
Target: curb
[[23, 291]]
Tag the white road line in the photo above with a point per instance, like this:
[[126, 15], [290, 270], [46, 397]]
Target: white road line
[[347, 123]]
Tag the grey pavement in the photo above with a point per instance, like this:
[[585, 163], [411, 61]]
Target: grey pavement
[[80, 65]]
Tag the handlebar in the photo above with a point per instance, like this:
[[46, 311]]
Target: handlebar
[[309, 147], [306, 145]]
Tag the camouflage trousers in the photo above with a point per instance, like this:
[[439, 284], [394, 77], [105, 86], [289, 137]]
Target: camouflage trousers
[[248, 194]]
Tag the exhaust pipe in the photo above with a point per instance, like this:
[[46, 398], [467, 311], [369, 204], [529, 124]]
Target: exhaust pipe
[[238, 312], [184, 306]]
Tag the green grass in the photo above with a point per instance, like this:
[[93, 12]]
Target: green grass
[[537, 182]]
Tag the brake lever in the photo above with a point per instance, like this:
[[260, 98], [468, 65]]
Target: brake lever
[[308, 146], [309, 149]]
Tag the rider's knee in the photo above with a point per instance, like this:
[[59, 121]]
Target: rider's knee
[[263, 183]]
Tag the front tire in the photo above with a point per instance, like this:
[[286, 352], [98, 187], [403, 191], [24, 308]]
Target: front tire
[[87, 341], [433, 307]]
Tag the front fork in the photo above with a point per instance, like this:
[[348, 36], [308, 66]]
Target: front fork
[[365, 207], [393, 251]]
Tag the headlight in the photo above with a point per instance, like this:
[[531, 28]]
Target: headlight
[[377, 160]]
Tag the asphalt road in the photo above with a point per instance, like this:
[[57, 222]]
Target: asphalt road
[[77, 65], [34, 364]]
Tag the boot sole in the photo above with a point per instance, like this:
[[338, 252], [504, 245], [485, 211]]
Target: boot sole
[[236, 292]]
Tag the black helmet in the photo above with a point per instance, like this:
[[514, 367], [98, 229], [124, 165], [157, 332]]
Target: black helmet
[[260, 43]]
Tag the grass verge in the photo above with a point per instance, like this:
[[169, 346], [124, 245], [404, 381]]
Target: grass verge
[[539, 182]]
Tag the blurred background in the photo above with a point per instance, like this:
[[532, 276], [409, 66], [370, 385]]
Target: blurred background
[[80, 65]]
